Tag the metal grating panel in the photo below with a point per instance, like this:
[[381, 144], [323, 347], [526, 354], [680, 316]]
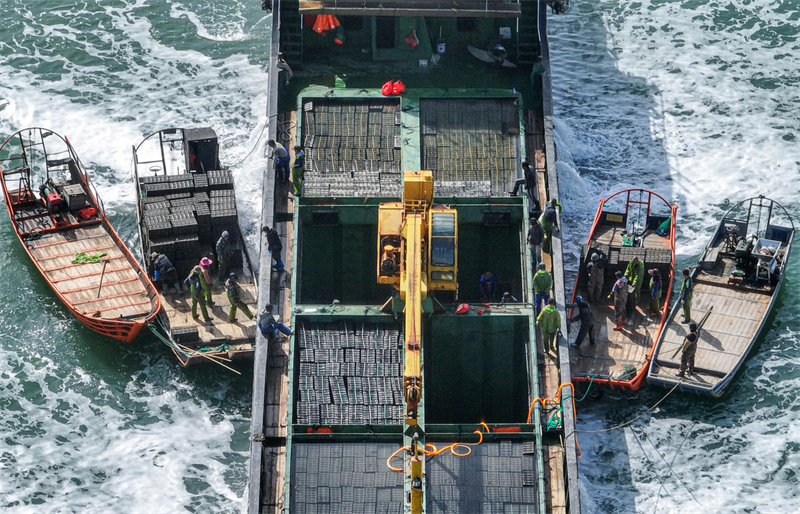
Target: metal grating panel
[[344, 478], [349, 373], [352, 148], [497, 477], [470, 145]]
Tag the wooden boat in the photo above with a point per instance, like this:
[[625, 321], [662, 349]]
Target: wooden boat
[[739, 276], [626, 226], [57, 215], [185, 200]]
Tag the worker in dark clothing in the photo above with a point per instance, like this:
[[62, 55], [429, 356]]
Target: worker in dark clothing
[[269, 325], [655, 291], [596, 270], [549, 221], [224, 255], [620, 294], [274, 246], [487, 286], [508, 298], [529, 174], [686, 296], [165, 272], [586, 318], [281, 159], [688, 350], [298, 173], [234, 292], [535, 237]]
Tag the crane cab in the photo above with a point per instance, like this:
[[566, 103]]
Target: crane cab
[[436, 237]]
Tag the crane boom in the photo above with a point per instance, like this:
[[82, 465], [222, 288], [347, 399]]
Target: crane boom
[[416, 254]]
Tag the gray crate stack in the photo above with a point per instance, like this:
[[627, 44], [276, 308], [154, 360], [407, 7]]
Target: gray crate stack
[[352, 148], [350, 373], [470, 142], [184, 215]]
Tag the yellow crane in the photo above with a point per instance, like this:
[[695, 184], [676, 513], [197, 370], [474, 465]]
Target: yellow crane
[[417, 253]]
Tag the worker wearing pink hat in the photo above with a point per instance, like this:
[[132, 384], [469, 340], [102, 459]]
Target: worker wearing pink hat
[[205, 279]]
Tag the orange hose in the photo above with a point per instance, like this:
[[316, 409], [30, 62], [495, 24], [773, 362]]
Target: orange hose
[[434, 451], [557, 401]]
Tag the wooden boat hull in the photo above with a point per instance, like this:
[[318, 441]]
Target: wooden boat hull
[[620, 359], [737, 310], [112, 296]]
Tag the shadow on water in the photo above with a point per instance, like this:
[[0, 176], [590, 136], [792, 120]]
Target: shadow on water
[[609, 136]]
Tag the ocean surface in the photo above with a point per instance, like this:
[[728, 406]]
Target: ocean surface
[[697, 99], [88, 424]]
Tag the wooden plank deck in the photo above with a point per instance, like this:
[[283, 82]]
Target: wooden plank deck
[[554, 456], [123, 292], [614, 349], [724, 339], [178, 308], [276, 401], [627, 347]]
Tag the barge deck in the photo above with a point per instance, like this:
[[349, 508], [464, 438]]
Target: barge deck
[[328, 401]]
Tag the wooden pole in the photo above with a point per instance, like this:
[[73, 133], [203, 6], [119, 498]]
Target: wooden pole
[[102, 274]]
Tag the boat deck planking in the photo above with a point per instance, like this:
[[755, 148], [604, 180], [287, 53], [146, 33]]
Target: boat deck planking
[[178, 308], [277, 392], [614, 349], [721, 346], [554, 456], [123, 292]]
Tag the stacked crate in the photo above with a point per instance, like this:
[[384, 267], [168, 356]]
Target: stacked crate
[[184, 215], [352, 148], [349, 373]]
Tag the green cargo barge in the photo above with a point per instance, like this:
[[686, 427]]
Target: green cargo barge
[[330, 407]]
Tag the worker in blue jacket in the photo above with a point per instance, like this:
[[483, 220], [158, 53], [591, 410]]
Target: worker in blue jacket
[[269, 326]]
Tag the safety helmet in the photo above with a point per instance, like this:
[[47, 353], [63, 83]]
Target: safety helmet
[[542, 266], [579, 298], [595, 257], [153, 256], [233, 276], [226, 234], [618, 274], [205, 262]]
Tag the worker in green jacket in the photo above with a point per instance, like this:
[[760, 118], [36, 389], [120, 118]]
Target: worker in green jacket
[[193, 282], [549, 221], [686, 296], [549, 322], [542, 284], [635, 275], [298, 166], [234, 292]]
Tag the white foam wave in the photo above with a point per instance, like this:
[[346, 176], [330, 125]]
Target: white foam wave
[[696, 99]]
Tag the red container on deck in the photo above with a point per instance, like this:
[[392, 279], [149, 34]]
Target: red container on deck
[[53, 199]]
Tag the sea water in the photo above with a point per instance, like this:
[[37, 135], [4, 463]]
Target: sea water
[[89, 424], [698, 100]]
